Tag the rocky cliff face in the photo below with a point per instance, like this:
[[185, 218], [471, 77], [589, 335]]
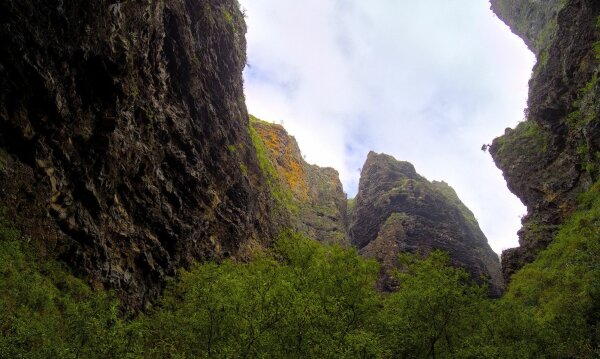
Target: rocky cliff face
[[115, 124], [555, 153], [397, 210], [533, 20], [311, 198], [126, 150]]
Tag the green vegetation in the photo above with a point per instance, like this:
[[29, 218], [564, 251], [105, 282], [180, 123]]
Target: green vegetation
[[533, 20], [451, 196], [228, 17], [562, 287], [301, 299], [543, 60], [244, 169], [527, 137], [586, 110], [283, 197], [262, 154], [546, 35], [596, 48], [45, 312], [433, 312], [351, 204], [231, 17]]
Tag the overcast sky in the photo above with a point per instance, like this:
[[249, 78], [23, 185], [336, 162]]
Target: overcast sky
[[426, 81]]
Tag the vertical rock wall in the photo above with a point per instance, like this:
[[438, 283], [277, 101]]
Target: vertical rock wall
[[115, 124], [555, 154]]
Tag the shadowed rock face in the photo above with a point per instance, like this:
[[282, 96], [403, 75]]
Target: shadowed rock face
[[115, 120], [397, 211], [555, 154]]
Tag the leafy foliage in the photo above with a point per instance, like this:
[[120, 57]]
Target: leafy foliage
[[47, 313], [302, 299], [433, 309], [562, 287]]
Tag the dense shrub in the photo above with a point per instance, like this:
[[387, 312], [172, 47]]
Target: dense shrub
[[301, 299]]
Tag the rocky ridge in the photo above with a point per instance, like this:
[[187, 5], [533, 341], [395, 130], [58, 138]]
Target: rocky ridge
[[311, 198], [397, 211], [554, 154]]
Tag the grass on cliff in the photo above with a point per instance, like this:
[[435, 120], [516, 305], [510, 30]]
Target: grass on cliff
[[302, 299], [562, 287], [527, 137], [283, 197]]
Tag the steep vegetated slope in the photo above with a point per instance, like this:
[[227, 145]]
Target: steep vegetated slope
[[398, 211], [126, 123], [554, 154], [311, 198], [532, 20]]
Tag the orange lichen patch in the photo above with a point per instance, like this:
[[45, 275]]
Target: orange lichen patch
[[286, 158], [296, 180]]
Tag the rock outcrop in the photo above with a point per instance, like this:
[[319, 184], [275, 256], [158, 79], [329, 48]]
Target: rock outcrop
[[115, 124], [532, 20], [397, 210], [311, 198], [555, 153]]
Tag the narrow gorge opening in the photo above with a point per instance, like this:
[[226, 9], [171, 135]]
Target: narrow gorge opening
[[425, 83]]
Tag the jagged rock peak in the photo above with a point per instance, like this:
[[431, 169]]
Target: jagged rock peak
[[397, 210], [376, 163]]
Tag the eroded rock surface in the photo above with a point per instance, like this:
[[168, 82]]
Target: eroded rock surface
[[115, 120], [312, 196], [555, 154], [397, 210]]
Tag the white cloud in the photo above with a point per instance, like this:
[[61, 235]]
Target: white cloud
[[426, 81]]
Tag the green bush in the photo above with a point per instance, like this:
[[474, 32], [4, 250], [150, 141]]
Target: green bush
[[47, 313], [562, 287], [433, 312], [302, 299]]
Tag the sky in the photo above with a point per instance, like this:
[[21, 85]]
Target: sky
[[427, 82]]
